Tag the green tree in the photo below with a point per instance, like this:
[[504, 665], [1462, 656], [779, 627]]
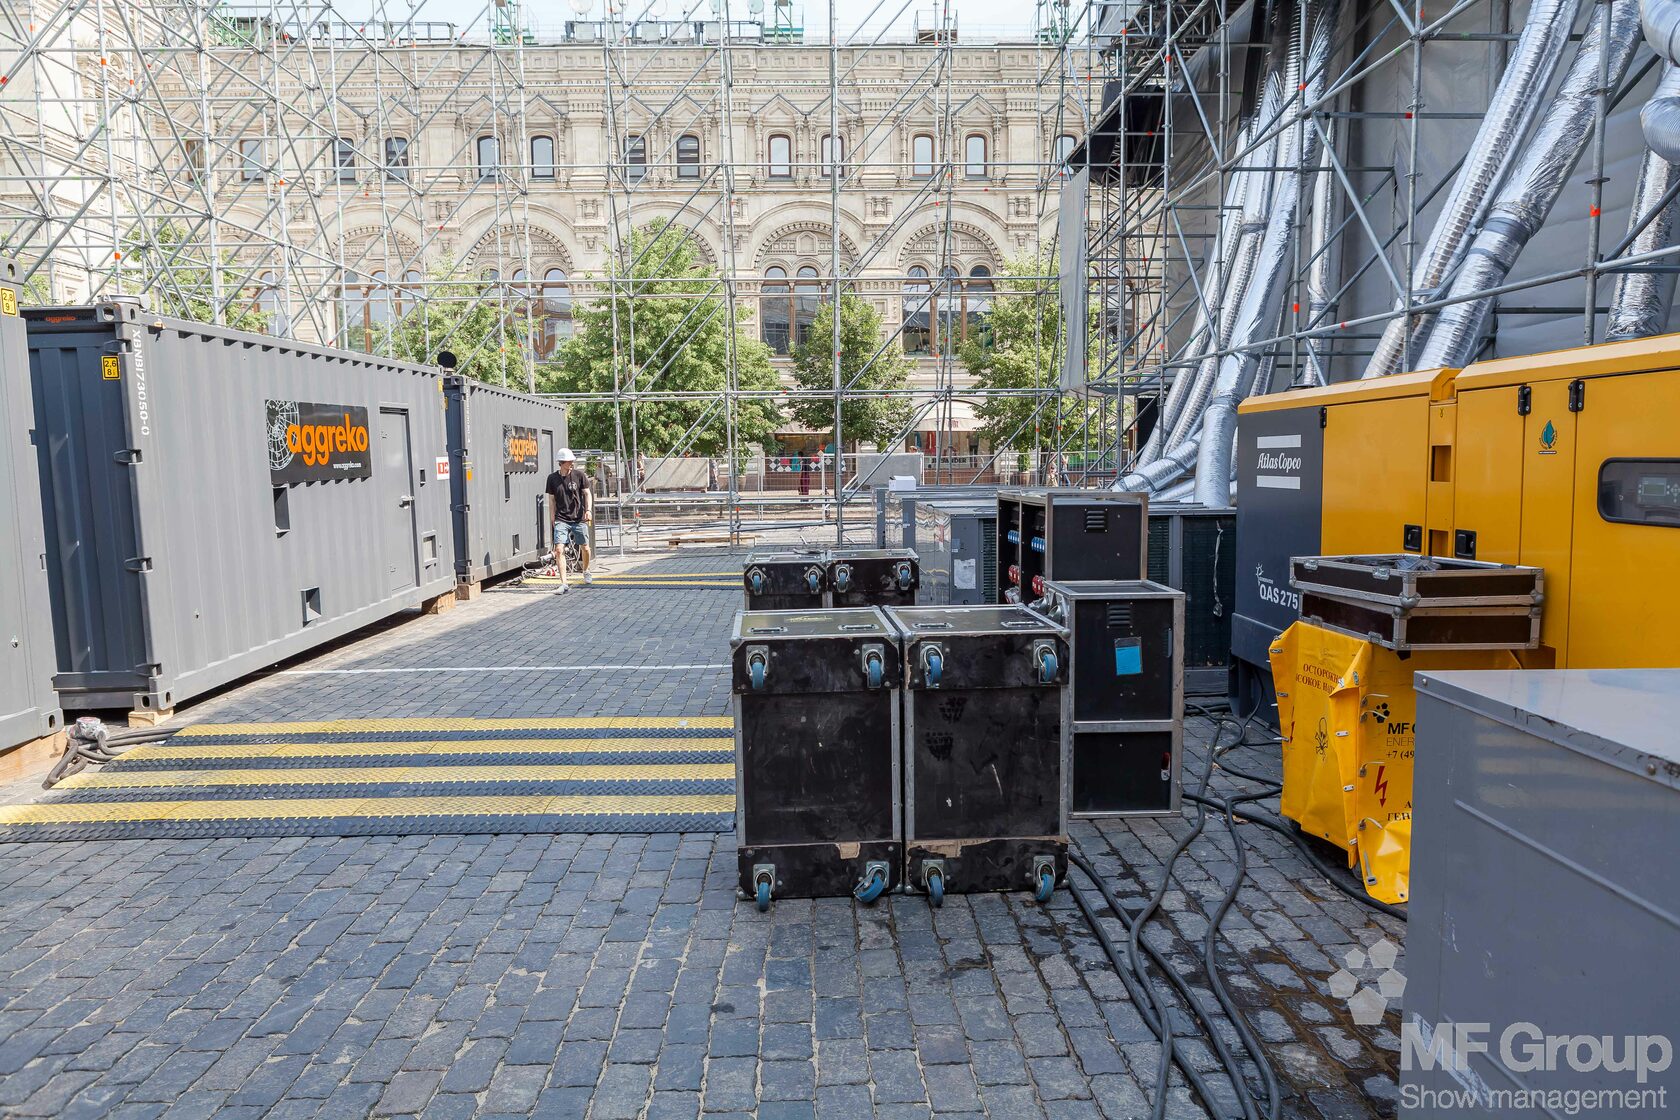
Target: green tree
[[673, 307], [463, 316], [866, 366], [181, 282], [1021, 350]]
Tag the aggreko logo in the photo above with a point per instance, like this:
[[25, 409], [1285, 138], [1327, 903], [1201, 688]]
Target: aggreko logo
[[521, 447], [318, 442]]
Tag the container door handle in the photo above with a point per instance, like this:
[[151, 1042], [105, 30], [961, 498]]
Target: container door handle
[[405, 501]]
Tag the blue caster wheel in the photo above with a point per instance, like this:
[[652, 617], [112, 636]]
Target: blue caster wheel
[[871, 887], [756, 668], [1046, 667], [936, 889], [935, 666], [763, 895], [874, 672], [1046, 884]]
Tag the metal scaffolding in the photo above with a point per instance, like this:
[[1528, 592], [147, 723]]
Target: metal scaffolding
[[1290, 193], [221, 160]]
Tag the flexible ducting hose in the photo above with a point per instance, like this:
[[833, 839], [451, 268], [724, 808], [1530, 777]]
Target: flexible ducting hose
[[1321, 270], [1641, 300], [1263, 302], [1535, 183], [1660, 118], [1498, 141]]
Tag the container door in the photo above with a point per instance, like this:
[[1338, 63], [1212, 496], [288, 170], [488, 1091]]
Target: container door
[[396, 481], [545, 464], [1548, 514], [1623, 611]]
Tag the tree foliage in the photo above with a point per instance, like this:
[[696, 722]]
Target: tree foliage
[[866, 365], [468, 318], [180, 281], [673, 308], [1022, 352]]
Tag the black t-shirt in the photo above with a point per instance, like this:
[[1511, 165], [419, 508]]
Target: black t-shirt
[[568, 492]]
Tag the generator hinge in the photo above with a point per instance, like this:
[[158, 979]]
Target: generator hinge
[[1323, 416], [140, 564], [128, 456], [1525, 400], [1577, 395]]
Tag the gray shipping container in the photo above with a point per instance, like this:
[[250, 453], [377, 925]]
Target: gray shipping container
[[28, 706], [501, 451], [1546, 814], [216, 501]]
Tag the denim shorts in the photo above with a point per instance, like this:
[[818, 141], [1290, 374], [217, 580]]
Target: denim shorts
[[575, 531]]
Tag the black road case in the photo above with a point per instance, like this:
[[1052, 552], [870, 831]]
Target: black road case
[[1069, 534], [816, 753], [1405, 601], [784, 579], [985, 760], [1127, 685], [873, 577]]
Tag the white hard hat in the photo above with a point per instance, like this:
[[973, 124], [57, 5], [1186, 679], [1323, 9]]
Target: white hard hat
[[564, 455]]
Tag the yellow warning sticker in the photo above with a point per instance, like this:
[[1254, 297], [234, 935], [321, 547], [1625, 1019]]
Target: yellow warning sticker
[[109, 369], [8, 301]]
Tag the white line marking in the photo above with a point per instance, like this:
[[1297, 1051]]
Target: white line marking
[[497, 669], [1263, 442], [1277, 482]]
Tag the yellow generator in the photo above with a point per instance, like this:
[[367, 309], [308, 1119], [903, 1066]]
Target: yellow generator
[[1567, 461]]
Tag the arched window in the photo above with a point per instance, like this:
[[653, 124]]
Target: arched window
[[977, 318], [781, 156], [688, 157], [396, 158], [556, 311], [774, 309], [408, 294], [379, 300], [947, 305], [635, 159], [916, 334], [974, 156], [271, 306], [921, 156], [489, 158], [1059, 154], [807, 296], [542, 157], [828, 155]]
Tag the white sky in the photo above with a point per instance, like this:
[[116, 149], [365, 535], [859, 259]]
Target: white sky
[[977, 17]]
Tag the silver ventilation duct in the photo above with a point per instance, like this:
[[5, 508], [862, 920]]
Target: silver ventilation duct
[[1263, 301], [1640, 301], [1513, 106], [1175, 429], [1321, 270], [1212, 292], [1660, 118], [1527, 198]]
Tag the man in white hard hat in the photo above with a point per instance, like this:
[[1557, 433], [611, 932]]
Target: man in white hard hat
[[573, 507]]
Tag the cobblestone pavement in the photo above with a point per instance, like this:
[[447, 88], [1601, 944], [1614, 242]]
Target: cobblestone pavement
[[616, 977]]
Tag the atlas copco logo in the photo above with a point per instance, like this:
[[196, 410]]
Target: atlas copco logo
[[318, 443]]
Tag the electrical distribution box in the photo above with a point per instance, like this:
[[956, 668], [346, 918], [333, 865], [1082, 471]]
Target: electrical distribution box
[[816, 752], [1068, 535], [957, 542], [985, 756]]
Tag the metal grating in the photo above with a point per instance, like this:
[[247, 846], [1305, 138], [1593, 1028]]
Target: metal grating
[[1160, 545], [988, 559]]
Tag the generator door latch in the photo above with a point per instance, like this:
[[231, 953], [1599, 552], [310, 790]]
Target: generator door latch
[[1323, 416], [1577, 395], [1525, 400], [1411, 538], [128, 456], [1464, 544], [141, 564]]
